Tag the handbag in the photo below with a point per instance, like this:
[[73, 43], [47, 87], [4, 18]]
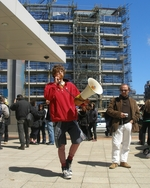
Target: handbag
[[30, 119]]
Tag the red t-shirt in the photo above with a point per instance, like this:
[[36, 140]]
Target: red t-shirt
[[62, 106]]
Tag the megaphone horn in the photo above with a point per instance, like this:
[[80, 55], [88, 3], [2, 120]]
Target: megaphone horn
[[92, 88]]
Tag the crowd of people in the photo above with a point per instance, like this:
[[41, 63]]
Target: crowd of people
[[87, 120], [66, 111], [27, 135]]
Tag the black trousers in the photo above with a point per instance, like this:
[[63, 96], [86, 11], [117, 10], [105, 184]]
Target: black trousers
[[2, 127], [6, 133], [145, 128], [34, 132], [42, 128], [93, 126], [85, 130]]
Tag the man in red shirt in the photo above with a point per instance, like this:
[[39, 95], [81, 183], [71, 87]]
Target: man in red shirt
[[64, 97]]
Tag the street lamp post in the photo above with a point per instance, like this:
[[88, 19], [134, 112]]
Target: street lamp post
[[29, 80]]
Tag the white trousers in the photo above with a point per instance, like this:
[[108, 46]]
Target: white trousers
[[122, 135]]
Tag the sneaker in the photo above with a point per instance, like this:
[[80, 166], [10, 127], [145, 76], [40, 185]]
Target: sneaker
[[68, 166], [113, 166], [66, 174], [124, 164]]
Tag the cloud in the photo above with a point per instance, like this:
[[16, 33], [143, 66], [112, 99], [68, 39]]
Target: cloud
[[148, 41]]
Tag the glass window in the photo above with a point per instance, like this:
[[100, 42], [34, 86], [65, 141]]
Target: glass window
[[110, 54], [45, 26], [39, 15], [112, 78], [37, 65], [3, 78], [61, 28], [106, 18], [35, 91], [3, 64], [110, 30], [61, 13], [3, 90], [37, 77], [62, 39], [112, 66]]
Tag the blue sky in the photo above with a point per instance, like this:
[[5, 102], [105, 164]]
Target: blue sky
[[139, 12]]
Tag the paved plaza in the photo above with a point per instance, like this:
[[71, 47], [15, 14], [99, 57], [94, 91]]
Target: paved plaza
[[38, 166]]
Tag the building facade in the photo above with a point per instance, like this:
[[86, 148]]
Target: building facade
[[96, 43]]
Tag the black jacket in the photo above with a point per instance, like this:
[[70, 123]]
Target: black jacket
[[39, 118], [146, 116], [21, 108], [83, 118], [93, 115]]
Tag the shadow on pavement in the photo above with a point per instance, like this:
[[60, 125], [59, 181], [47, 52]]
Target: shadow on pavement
[[92, 163], [140, 147], [140, 155], [33, 170], [135, 143], [13, 147]]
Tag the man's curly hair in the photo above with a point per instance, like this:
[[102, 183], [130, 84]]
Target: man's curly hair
[[57, 68]]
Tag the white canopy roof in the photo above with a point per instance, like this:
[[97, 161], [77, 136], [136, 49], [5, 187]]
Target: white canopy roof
[[22, 38]]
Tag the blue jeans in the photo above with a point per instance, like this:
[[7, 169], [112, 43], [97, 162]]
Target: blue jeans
[[50, 130]]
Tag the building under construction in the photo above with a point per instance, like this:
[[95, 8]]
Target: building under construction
[[96, 43]]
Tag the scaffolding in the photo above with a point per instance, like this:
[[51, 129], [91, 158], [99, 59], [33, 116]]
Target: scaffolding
[[96, 43]]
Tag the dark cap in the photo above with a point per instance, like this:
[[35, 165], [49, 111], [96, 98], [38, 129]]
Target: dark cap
[[19, 96]]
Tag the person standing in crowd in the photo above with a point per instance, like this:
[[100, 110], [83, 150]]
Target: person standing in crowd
[[125, 113], [41, 122], [6, 122], [146, 123], [35, 127], [49, 125], [64, 97], [108, 124], [4, 113], [38, 122], [92, 121], [140, 123], [22, 108], [83, 120]]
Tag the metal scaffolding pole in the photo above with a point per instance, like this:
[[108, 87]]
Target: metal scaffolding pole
[[29, 80]]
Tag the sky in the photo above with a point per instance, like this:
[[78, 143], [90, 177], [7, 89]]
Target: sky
[[139, 12]]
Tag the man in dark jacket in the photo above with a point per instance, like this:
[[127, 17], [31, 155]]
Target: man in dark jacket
[[22, 108], [125, 113]]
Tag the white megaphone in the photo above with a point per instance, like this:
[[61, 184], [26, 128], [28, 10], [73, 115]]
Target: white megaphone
[[92, 88]]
